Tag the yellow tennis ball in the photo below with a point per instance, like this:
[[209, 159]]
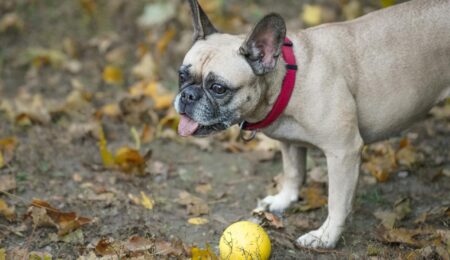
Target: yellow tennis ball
[[244, 240]]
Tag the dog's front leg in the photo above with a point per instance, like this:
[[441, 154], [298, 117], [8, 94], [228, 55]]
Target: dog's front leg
[[294, 171], [343, 170]]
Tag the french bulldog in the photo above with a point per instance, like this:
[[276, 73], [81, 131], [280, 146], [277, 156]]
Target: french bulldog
[[356, 82]]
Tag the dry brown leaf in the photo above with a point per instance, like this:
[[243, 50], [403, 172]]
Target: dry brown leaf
[[43, 214], [402, 208], [129, 160], [112, 75], [195, 205], [387, 218], [6, 211], [105, 247], [379, 161], [147, 134], [407, 156], [313, 196], [400, 235], [270, 219], [203, 188]]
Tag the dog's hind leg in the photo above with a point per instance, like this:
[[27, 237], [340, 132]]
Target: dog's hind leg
[[294, 171]]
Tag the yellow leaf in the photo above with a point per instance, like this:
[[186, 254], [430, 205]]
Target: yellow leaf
[[129, 160], [111, 110], [312, 14], [203, 254], [387, 3], [112, 75], [2, 254], [198, 221], [168, 36], [151, 89], [146, 201], [89, 6], [170, 121], [2, 162], [6, 211], [164, 101], [107, 157], [136, 138]]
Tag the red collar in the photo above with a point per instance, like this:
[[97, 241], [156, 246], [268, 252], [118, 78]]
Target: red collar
[[285, 93]]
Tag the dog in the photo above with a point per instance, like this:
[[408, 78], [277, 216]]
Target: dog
[[352, 83]]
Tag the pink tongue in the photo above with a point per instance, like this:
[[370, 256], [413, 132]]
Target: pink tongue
[[187, 126]]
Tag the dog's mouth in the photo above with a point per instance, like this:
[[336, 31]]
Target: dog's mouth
[[189, 127]]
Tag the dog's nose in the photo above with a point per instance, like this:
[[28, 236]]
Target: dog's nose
[[191, 94]]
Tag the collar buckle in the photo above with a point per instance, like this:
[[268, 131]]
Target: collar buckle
[[243, 136]]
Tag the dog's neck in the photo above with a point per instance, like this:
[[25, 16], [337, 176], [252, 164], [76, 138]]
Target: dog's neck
[[271, 85]]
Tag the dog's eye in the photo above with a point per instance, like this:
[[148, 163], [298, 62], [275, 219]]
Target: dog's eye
[[218, 89], [183, 76]]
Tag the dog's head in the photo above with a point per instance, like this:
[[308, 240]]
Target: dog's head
[[223, 77]]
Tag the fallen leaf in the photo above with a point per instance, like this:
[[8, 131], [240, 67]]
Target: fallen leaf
[[406, 155], [147, 134], [402, 208], [107, 156], [203, 254], [203, 188], [43, 214], [312, 14], [2, 254], [88, 6], [168, 36], [39, 256], [197, 221], [314, 198], [387, 3], [6, 211], [109, 110], [40, 57], [146, 69], [379, 161], [146, 201], [112, 75], [269, 219], [129, 160], [105, 247], [195, 205], [162, 98], [399, 235], [387, 218], [11, 21], [7, 182]]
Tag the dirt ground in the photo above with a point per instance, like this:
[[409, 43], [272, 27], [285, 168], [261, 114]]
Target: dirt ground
[[69, 69]]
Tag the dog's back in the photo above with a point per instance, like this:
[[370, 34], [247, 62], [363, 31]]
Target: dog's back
[[397, 62]]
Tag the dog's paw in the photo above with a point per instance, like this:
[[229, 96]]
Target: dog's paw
[[318, 239], [277, 203]]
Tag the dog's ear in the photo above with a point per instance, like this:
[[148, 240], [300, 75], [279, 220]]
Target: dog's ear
[[264, 43], [202, 26]]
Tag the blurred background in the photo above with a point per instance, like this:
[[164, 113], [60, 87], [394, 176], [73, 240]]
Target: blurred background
[[87, 126]]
